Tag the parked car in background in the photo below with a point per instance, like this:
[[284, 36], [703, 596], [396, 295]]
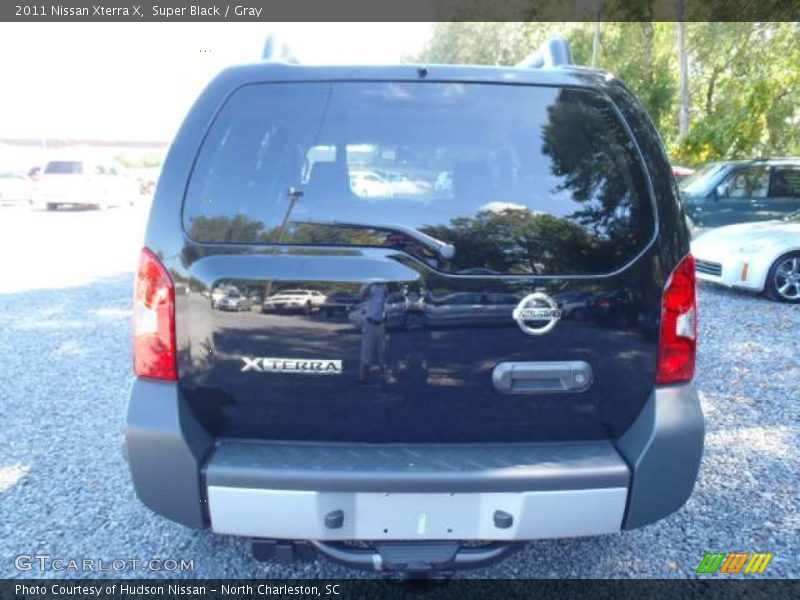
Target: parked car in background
[[369, 184], [234, 301], [307, 301], [340, 303], [402, 311], [92, 183], [15, 188], [693, 229], [680, 172], [617, 307], [256, 296], [724, 193], [405, 311], [470, 308], [221, 291], [574, 305], [401, 185], [761, 257]]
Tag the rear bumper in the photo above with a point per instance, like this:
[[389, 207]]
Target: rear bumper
[[393, 492], [333, 492]]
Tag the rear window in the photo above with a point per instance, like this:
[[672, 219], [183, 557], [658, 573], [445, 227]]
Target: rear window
[[64, 167], [518, 179]]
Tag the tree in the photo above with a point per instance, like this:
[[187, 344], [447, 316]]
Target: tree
[[483, 43], [517, 241], [596, 43], [742, 102], [746, 83]]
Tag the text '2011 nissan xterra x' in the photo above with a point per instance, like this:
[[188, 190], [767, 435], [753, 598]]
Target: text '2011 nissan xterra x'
[[469, 316]]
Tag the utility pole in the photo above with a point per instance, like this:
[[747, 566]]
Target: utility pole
[[294, 194], [683, 66], [596, 41]]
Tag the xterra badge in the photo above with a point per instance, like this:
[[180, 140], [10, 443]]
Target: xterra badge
[[292, 365], [537, 313]]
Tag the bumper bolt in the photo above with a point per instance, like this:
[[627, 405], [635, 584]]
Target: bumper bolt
[[503, 520], [334, 519]]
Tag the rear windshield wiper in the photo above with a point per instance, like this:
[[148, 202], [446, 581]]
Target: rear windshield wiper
[[442, 249]]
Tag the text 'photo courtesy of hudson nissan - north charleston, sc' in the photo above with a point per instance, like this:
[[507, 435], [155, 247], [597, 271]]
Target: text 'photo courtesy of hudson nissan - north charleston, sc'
[[456, 407]]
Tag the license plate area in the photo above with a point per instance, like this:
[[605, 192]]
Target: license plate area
[[418, 516], [301, 515]]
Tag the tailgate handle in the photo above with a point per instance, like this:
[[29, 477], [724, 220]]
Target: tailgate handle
[[542, 377]]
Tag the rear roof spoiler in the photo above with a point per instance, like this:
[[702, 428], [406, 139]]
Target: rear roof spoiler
[[554, 52], [277, 50]]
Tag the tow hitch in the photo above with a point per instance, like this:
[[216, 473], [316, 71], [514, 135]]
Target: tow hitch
[[419, 558]]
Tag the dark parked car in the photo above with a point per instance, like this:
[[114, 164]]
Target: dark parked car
[[724, 193], [619, 307], [432, 449], [470, 309], [574, 305], [401, 311], [339, 303]]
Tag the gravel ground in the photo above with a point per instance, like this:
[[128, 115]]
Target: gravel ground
[[65, 489]]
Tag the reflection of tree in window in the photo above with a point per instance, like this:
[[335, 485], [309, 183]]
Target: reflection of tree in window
[[519, 241], [241, 229], [596, 166], [596, 163]]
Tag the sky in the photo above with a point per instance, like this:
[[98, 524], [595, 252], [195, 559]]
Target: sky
[[136, 81]]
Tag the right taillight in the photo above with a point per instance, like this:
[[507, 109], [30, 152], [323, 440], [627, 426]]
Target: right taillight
[[154, 353], [677, 347]]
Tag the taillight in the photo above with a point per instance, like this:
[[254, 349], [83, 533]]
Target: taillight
[[677, 347], [154, 353]]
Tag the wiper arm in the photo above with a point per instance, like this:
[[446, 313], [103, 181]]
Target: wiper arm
[[443, 249]]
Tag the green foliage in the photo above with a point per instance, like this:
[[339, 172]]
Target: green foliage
[[131, 160], [483, 43], [745, 85], [744, 77]]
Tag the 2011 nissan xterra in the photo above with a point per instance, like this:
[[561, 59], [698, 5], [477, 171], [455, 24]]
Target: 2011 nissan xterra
[[515, 357]]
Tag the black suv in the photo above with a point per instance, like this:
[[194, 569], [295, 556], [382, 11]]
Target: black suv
[[472, 198]]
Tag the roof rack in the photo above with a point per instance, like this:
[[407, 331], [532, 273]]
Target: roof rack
[[277, 50], [554, 52]]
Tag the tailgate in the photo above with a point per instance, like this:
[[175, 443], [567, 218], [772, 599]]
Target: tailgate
[[500, 239], [457, 365]]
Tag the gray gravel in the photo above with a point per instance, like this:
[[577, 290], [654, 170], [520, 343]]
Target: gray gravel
[[65, 489]]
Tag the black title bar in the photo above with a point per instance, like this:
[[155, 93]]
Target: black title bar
[[398, 10]]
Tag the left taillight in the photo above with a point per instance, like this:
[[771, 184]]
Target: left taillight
[[154, 351]]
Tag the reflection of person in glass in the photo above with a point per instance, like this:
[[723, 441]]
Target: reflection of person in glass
[[373, 329]]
